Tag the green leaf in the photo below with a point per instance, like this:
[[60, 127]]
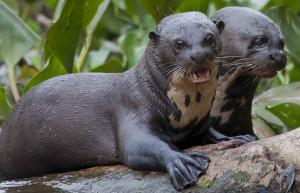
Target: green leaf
[[16, 38], [195, 5], [133, 46], [161, 8], [115, 65], [13, 5], [293, 5], [101, 54], [62, 37], [110, 24], [276, 96], [137, 11], [90, 23], [5, 107], [288, 113], [93, 12], [289, 25], [53, 68]]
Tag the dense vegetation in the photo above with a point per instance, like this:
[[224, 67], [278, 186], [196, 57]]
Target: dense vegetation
[[40, 39]]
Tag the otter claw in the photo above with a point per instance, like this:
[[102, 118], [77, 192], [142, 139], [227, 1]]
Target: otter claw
[[289, 173], [184, 169]]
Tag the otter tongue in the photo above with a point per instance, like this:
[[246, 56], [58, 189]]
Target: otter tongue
[[200, 76]]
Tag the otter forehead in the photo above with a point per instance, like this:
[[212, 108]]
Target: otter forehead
[[251, 21], [183, 23]]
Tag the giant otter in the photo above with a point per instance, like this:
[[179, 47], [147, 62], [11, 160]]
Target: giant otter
[[136, 118], [252, 48]]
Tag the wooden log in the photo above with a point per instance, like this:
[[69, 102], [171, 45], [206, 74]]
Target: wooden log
[[234, 167]]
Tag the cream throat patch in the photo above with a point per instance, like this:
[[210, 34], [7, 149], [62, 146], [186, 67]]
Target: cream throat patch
[[193, 100]]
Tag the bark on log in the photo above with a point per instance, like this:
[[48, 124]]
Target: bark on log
[[253, 167]]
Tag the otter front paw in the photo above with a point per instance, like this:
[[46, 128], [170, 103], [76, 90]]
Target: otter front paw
[[185, 168]]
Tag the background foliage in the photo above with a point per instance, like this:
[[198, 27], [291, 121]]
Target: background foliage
[[40, 39]]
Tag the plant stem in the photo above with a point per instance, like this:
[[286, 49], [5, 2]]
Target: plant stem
[[26, 12], [84, 51], [13, 84], [89, 34]]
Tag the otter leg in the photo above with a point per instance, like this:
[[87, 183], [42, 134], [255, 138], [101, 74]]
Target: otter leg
[[141, 149], [213, 136]]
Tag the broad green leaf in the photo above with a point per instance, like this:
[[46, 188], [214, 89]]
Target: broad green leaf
[[93, 12], [62, 38], [133, 46], [53, 68], [90, 22], [97, 57], [225, 3], [115, 65], [293, 5], [100, 55], [276, 96], [4, 104], [195, 5], [52, 3], [161, 8], [110, 24], [289, 25], [13, 5], [137, 11], [58, 9], [16, 38], [288, 113]]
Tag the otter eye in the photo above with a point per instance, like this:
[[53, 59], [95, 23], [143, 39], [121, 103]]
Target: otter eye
[[260, 41], [210, 39], [179, 45]]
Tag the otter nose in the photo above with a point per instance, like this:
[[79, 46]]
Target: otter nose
[[278, 58], [201, 57]]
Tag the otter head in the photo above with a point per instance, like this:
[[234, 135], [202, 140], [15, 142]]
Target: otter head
[[187, 45], [251, 41]]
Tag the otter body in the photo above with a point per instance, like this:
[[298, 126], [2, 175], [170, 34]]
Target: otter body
[[136, 118], [252, 48]]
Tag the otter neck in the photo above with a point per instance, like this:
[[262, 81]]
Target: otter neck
[[242, 86], [234, 106], [153, 82]]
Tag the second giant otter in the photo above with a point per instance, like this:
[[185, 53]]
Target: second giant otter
[[136, 118], [252, 48]]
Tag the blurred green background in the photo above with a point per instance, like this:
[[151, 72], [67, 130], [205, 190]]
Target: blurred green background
[[40, 39]]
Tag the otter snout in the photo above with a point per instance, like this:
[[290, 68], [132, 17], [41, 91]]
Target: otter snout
[[278, 58], [202, 57]]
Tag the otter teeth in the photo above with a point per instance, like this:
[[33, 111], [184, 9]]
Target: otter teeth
[[200, 76], [195, 76]]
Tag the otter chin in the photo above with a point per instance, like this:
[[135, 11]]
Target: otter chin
[[267, 73]]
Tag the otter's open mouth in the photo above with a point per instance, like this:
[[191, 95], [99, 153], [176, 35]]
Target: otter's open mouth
[[268, 73], [200, 76]]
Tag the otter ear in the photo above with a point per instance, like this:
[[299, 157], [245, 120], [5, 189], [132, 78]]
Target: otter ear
[[220, 25], [153, 35]]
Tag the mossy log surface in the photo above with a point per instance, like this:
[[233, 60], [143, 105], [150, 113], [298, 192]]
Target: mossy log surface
[[234, 167]]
